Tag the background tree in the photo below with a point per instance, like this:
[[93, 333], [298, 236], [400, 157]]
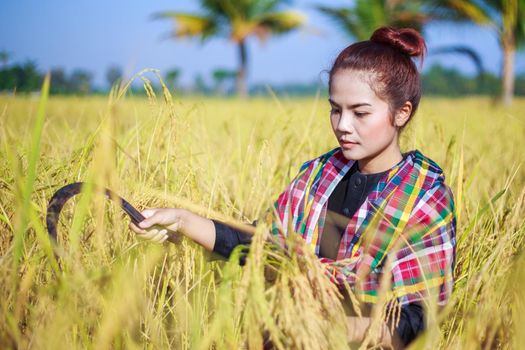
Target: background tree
[[80, 81], [221, 77], [59, 81], [24, 77], [5, 56], [505, 17], [171, 78], [199, 85], [238, 20], [365, 16], [114, 75]]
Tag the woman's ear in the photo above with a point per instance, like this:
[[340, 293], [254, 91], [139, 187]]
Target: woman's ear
[[403, 114]]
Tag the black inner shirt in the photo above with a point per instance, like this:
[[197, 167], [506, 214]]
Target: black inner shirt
[[348, 196]]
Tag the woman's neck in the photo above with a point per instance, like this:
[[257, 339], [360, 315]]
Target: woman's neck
[[381, 162]]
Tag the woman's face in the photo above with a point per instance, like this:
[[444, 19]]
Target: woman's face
[[362, 121]]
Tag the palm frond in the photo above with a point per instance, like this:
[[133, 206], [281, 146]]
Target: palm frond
[[361, 20], [346, 20], [276, 23], [282, 22], [461, 10], [241, 29], [190, 25], [266, 25], [465, 51], [246, 10]]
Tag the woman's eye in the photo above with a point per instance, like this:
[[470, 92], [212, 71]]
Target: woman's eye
[[334, 111], [360, 114]]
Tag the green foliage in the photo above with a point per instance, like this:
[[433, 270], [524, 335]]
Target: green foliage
[[21, 77], [81, 81], [437, 80], [364, 17], [506, 17], [114, 75], [171, 77], [223, 80], [237, 19], [27, 77], [5, 56], [442, 81]]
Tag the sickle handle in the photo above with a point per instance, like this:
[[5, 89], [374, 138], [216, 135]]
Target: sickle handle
[[65, 193]]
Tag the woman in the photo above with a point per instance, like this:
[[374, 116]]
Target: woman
[[366, 207]]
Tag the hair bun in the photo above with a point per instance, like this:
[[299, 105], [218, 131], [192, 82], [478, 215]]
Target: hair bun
[[406, 40]]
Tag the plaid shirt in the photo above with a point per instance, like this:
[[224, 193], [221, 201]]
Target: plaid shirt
[[406, 227]]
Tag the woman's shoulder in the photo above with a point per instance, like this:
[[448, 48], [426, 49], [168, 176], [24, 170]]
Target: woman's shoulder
[[322, 159], [436, 195], [433, 174]]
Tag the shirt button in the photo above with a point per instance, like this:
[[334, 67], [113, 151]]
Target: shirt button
[[358, 181], [346, 211]]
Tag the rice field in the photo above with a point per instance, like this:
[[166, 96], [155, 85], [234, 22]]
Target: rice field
[[229, 159]]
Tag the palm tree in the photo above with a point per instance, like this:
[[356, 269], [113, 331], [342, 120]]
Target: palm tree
[[366, 16], [238, 20], [361, 20], [505, 17]]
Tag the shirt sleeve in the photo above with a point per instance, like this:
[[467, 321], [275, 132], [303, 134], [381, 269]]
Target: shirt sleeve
[[227, 238], [411, 323]]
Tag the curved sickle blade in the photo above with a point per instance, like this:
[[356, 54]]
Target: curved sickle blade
[[65, 193]]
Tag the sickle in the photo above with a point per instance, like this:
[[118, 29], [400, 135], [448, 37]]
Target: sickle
[[65, 193]]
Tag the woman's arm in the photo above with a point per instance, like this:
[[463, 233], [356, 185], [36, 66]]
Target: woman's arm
[[193, 226]]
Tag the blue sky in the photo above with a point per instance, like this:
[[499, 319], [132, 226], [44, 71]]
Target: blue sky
[[93, 34]]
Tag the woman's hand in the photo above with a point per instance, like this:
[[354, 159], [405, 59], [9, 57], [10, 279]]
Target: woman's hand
[[175, 221], [160, 224]]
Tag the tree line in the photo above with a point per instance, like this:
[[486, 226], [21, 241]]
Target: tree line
[[437, 80], [27, 77]]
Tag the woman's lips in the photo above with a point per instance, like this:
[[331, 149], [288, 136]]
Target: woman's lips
[[347, 144]]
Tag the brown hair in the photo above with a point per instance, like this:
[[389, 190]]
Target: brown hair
[[388, 54]]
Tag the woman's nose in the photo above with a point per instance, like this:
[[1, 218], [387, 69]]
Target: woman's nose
[[346, 123]]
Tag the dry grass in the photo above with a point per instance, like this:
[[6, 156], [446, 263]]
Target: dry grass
[[229, 159]]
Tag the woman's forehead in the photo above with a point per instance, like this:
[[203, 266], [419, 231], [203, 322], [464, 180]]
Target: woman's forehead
[[352, 87]]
